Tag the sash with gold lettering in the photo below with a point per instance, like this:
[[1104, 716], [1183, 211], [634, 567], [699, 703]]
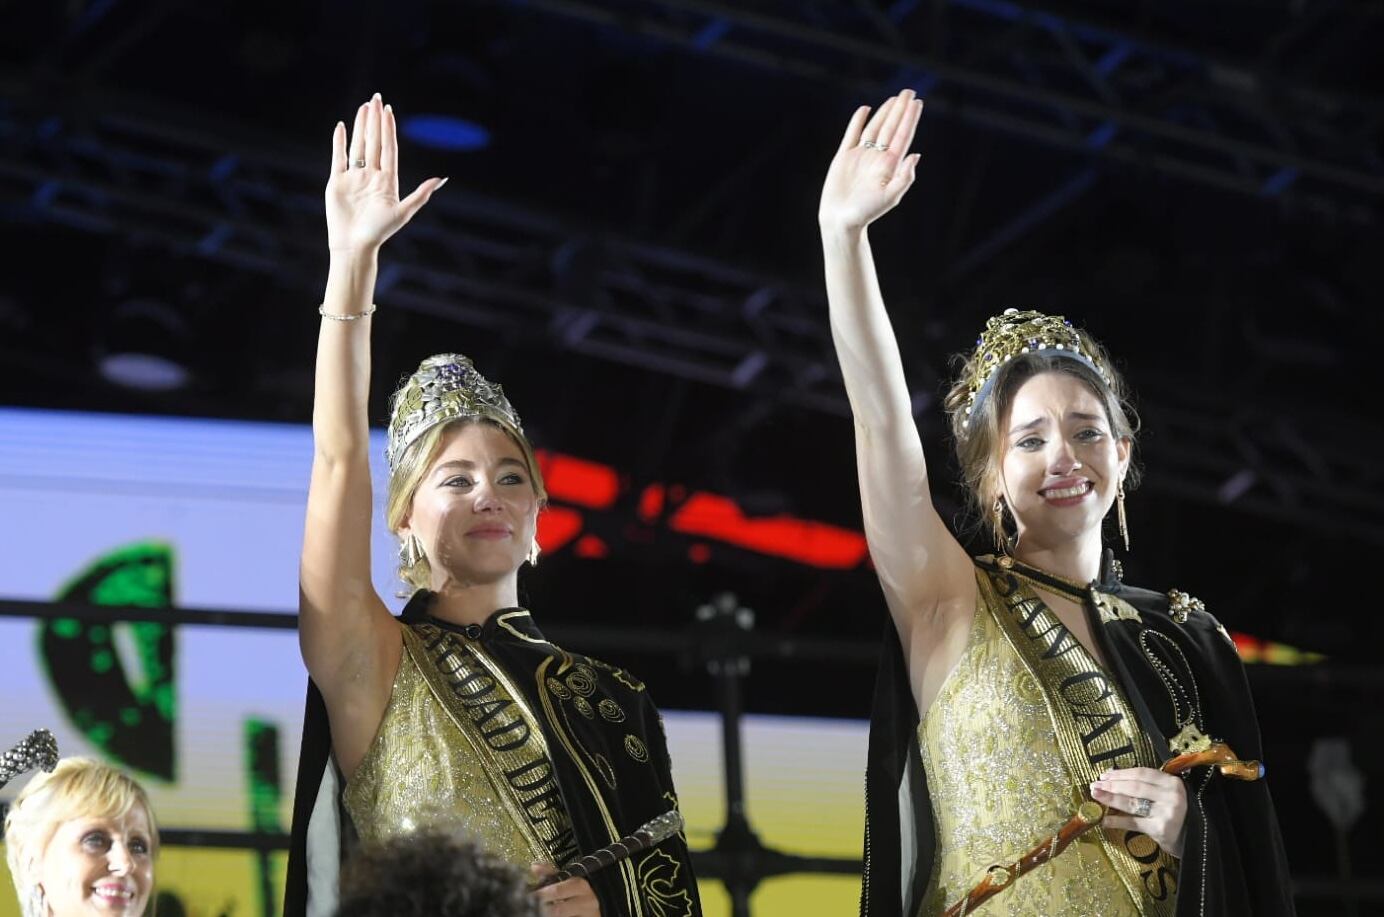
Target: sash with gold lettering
[[1233, 861], [503, 733], [573, 747], [1095, 727]]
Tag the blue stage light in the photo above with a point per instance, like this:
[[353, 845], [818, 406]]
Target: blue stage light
[[445, 132]]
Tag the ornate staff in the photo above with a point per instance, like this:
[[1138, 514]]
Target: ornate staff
[[999, 877], [653, 832], [40, 750]]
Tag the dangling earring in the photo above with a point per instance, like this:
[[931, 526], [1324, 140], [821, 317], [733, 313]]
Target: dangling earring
[[1120, 515], [997, 521], [534, 551], [410, 551], [38, 904]]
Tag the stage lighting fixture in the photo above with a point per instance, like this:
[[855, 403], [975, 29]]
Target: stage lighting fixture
[[142, 347], [445, 132]]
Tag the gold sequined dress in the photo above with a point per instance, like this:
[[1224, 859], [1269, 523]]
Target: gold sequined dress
[[544, 754], [998, 783], [421, 768], [1000, 760]]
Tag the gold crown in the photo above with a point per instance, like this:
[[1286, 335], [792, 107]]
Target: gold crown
[[446, 387], [1013, 334]]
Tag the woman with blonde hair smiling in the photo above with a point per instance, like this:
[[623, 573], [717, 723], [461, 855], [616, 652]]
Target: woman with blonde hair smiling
[[459, 707], [82, 840]]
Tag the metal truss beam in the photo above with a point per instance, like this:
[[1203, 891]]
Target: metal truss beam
[[170, 179], [175, 180], [1060, 82]]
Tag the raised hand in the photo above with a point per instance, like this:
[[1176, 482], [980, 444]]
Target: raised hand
[[872, 168], [363, 205]]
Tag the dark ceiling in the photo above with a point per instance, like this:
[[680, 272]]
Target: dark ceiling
[[634, 254]]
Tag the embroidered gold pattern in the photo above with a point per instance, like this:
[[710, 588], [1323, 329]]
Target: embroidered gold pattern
[[504, 619], [611, 711], [582, 680], [998, 782], [604, 769], [620, 675], [627, 873], [1113, 608], [636, 749], [658, 881]]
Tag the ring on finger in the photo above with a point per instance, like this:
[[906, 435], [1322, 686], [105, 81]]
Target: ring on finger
[[868, 144], [359, 164], [1142, 807]]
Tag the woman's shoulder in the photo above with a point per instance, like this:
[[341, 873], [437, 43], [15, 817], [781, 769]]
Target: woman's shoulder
[[1180, 609], [583, 669]]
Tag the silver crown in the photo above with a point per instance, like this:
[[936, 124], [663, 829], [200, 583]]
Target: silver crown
[[446, 387], [39, 750]]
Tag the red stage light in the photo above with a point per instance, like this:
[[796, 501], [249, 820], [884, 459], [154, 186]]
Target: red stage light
[[651, 502], [591, 547], [557, 525], [814, 543], [574, 480]]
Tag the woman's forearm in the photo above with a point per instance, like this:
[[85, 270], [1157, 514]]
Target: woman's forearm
[[340, 424], [860, 328]]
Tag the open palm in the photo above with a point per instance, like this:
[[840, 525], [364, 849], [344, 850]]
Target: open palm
[[872, 168], [363, 205]]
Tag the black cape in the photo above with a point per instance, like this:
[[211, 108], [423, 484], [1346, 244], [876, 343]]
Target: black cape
[[613, 750], [1233, 852]]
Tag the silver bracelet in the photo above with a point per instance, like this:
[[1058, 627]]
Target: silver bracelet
[[322, 311]]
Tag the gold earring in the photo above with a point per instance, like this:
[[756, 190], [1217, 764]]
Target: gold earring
[[997, 521], [534, 551], [1120, 515], [410, 551]]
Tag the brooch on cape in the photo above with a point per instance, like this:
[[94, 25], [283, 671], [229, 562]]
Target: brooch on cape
[[1180, 604]]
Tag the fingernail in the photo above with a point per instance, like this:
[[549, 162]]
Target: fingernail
[[378, 97], [389, 108], [444, 181]]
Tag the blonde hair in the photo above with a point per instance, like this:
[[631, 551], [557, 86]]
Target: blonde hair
[[978, 436], [413, 466], [77, 788]]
